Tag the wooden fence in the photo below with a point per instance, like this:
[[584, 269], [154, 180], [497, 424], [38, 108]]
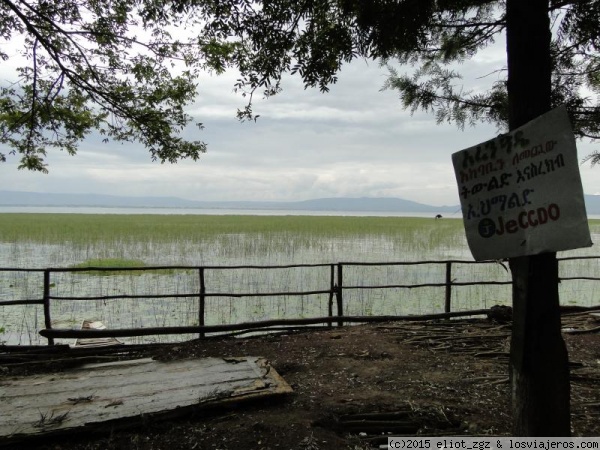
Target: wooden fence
[[335, 293]]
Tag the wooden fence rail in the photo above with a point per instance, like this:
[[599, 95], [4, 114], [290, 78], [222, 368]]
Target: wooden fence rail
[[335, 293]]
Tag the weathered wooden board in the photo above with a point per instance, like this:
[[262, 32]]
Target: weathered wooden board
[[119, 391]]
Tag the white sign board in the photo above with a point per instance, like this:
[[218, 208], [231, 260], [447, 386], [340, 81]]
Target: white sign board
[[521, 192]]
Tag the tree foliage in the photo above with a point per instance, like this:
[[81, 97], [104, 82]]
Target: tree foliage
[[314, 38], [129, 67], [110, 65]]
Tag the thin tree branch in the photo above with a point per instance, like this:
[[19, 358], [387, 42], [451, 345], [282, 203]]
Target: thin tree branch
[[34, 83]]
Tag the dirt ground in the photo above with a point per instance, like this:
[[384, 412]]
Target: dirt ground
[[355, 385]]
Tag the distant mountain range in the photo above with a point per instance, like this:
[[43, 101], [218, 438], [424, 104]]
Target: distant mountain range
[[365, 204], [362, 204]]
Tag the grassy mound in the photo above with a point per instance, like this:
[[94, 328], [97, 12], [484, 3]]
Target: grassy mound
[[110, 266]]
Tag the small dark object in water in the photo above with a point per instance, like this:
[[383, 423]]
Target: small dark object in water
[[500, 313]]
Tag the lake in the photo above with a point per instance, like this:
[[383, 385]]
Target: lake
[[62, 239], [212, 211]]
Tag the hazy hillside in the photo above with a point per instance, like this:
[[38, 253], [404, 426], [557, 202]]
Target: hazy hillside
[[16, 198], [366, 204], [369, 204]]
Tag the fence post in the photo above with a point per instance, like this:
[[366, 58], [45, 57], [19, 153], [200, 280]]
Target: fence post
[[447, 306], [339, 295], [47, 318], [332, 291], [202, 300]]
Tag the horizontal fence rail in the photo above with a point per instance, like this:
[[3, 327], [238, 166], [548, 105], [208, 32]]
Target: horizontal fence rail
[[335, 290]]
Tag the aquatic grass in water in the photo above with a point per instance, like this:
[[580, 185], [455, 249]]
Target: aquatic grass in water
[[66, 240], [110, 263], [115, 266], [84, 229]]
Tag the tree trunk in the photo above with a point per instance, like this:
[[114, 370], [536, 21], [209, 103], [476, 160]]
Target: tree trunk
[[539, 366]]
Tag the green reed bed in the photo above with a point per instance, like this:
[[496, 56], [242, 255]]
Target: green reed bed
[[85, 228], [199, 239]]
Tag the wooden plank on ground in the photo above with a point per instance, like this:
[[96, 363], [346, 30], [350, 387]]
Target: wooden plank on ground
[[117, 392]]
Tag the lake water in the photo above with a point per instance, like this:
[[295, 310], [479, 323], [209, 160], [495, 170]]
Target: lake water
[[205, 211], [221, 212], [22, 323]]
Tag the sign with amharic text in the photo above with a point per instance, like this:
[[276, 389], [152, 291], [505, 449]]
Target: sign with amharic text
[[521, 192]]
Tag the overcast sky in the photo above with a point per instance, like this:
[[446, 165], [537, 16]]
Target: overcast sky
[[355, 141]]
